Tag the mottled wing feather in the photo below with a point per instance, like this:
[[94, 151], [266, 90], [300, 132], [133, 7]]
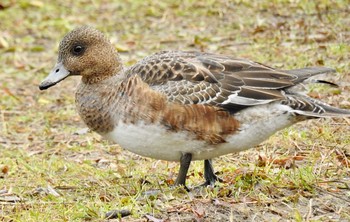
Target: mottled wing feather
[[203, 78]]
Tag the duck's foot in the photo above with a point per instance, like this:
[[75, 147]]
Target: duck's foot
[[180, 181], [185, 161], [209, 175], [180, 187]]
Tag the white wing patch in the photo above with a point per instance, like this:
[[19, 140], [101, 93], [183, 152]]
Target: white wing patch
[[245, 101]]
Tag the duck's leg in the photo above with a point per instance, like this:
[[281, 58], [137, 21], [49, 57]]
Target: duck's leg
[[185, 162], [209, 175]]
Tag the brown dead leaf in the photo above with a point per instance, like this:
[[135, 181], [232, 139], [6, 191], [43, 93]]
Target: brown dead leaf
[[259, 29], [298, 158], [131, 43], [342, 158], [262, 160], [170, 181], [5, 6], [287, 162], [5, 169], [19, 65], [333, 190], [314, 95], [105, 197], [320, 62], [320, 37], [180, 208], [225, 192]]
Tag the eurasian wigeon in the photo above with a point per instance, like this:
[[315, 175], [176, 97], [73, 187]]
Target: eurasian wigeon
[[182, 106]]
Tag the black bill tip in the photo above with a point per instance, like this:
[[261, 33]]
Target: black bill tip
[[46, 85]]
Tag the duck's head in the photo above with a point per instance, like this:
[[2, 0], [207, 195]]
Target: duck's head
[[84, 51]]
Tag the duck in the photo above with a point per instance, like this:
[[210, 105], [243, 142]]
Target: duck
[[183, 106]]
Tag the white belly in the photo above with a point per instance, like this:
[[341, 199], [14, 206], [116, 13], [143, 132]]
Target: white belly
[[157, 142]]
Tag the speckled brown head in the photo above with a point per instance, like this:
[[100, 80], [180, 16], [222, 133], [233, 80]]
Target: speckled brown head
[[87, 52]]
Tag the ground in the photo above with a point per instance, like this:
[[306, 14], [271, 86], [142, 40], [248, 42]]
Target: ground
[[51, 169]]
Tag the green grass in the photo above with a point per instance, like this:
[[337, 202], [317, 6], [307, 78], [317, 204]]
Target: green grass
[[300, 174]]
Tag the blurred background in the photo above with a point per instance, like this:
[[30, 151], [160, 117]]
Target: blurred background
[[42, 144]]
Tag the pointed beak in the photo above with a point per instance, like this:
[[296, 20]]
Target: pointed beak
[[57, 74]]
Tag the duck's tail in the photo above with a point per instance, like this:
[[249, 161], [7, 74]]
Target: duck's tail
[[309, 107], [306, 73]]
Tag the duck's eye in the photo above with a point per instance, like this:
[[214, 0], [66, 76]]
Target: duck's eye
[[78, 50]]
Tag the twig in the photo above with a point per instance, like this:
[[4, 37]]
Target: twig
[[309, 214]]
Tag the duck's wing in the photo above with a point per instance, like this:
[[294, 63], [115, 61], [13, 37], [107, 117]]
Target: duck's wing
[[203, 78]]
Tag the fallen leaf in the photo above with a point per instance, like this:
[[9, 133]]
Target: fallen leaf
[[104, 198], [342, 158], [287, 162], [262, 160], [5, 169]]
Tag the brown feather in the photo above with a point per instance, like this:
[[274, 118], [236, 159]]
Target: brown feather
[[203, 78], [140, 103]]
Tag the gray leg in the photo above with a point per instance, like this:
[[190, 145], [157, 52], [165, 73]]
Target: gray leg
[[184, 165], [209, 175]]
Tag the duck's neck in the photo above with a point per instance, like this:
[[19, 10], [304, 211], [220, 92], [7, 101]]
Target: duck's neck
[[107, 70], [97, 103]]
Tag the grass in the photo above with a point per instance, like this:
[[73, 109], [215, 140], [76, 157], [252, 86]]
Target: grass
[[50, 173]]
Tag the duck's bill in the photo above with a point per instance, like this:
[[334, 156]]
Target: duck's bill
[[57, 74]]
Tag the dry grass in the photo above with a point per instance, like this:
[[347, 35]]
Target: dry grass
[[49, 173]]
